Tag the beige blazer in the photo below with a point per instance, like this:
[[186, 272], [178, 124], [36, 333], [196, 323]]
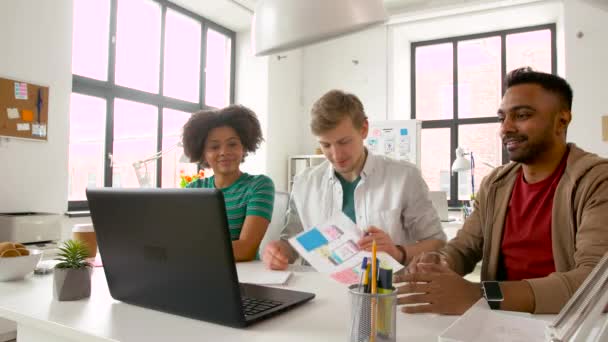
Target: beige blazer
[[579, 228]]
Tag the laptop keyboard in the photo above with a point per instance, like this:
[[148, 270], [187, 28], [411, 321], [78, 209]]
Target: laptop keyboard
[[254, 306]]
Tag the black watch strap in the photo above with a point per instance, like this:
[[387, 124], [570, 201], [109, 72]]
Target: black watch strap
[[494, 305], [490, 290]]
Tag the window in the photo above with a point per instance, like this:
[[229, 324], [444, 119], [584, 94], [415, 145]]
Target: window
[[135, 84], [456, 90]]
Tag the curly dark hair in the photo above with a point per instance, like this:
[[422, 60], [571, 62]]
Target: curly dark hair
[[240, 118]]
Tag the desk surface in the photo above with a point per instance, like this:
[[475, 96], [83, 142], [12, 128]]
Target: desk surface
[[101, 318]]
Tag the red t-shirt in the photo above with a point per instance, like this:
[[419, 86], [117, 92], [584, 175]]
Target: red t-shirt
[[526, 241]]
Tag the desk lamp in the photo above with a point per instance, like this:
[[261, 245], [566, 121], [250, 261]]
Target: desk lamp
[[141, 166], [463, 164]]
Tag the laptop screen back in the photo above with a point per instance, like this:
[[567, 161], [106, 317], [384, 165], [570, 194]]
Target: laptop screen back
[[169, 250]]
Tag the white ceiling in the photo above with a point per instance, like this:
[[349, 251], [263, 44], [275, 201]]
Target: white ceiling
[[236, 14]]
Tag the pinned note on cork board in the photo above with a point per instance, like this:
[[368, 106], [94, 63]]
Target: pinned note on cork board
[[24, 109]]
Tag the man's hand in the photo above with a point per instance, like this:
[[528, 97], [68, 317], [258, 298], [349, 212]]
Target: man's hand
[[421, 262], [438, 290], [384, 243], [275, 255]]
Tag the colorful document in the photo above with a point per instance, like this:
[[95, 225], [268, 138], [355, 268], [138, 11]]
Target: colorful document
[[332, 248]]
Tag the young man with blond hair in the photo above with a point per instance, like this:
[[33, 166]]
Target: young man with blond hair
[[386, 198]]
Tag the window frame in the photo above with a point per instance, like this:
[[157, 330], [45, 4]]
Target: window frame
[[455, 122], [109, 91]]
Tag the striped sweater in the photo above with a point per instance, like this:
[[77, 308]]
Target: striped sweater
[[249, 195]]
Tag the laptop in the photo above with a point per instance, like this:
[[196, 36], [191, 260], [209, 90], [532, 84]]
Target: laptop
[[440, 203], [170, 250]]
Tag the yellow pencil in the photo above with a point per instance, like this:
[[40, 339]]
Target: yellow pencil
[[374, 284]]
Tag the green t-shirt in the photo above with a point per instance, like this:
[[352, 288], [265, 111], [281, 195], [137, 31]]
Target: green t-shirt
[[249, 195], [348, 196]]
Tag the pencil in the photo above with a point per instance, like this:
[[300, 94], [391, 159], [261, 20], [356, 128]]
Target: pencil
[[374, 285]]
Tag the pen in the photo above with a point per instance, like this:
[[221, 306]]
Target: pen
[[385, 306], [363, 271], [372, 336], [366, 279]]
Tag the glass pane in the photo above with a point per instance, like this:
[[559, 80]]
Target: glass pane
[[435, 159], [182, 57], [531, 49], [90, 38], [434, 82], [479, 77], [138, 45], [173, 122], [217, 69], [134, 140], [484, 141], [87, 141]]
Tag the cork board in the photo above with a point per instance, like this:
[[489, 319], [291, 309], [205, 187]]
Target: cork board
[[24, 110]]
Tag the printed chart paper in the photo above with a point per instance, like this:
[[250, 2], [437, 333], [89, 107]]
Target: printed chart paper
[[332, 248]]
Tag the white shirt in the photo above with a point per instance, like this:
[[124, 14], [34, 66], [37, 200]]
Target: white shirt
[[391, 195]]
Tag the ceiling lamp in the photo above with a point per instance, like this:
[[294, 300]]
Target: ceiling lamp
[[280, 25]]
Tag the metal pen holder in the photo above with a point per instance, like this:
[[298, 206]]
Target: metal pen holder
[[363, 306]]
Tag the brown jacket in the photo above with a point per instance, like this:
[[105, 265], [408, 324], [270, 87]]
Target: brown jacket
[[579, 228]]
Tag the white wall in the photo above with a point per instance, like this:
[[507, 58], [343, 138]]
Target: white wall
[[587, 72], [36, 40], [272, 88], [284, 107], [251, 90], [355, 63]]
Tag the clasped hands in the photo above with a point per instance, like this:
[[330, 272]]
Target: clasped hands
[[432, 287]]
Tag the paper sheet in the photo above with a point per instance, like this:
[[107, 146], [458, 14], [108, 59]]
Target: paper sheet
[[480, 324], [27, 115], [23, 126], [265, 277], [12, 113], [20, 91], [332, 248], [38, 130]]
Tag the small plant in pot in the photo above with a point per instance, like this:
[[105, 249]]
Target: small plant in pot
[[72, 279]]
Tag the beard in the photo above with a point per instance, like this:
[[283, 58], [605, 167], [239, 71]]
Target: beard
[[529, 150]]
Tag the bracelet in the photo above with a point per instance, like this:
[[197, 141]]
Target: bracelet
[[403, 253]]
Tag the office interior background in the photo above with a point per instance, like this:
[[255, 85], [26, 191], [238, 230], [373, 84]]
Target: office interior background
[[169, 59]]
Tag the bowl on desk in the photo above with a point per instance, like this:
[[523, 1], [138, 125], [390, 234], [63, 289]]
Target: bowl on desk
[[16, 268]]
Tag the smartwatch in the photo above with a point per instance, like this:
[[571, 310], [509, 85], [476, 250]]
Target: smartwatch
[[492, 293]]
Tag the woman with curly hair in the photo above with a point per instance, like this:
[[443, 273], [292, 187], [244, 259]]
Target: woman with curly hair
[[221, 139]]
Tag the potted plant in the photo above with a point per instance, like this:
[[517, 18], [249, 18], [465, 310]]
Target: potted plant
[[72, 279]]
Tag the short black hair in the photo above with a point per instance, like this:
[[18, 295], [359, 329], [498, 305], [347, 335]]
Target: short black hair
[[549, 82], [240, 118]]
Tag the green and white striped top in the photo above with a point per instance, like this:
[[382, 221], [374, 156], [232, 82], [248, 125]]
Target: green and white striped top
[[249, 195]]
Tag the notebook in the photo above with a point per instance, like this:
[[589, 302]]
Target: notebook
[[170, 250]]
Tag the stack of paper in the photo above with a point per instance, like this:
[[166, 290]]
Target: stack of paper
[[480, 324], [265, 277]]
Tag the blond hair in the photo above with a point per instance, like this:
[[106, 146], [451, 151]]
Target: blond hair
[[329, 110]]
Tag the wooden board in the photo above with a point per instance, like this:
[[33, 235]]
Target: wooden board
[[24, 110]]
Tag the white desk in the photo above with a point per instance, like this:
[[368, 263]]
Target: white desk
[[101, 318]]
